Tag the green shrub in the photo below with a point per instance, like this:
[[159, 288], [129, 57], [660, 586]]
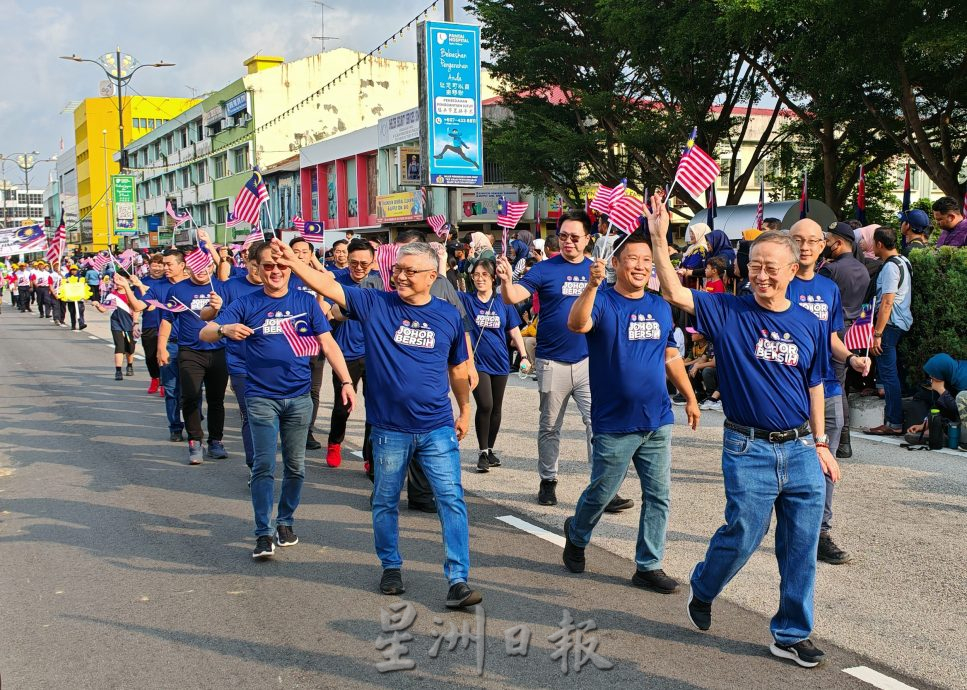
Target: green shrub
[[939, 308]]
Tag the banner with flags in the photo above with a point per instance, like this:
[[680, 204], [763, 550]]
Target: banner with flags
[[297, 334], [626, 212], [860, 335], [696, 169], [906, 189], [861, 198], [198, 260], [313, 231], [804, 197], [298, 222], [179, 218], [440, 226], [509, 213], [761, 206], [385, 260], [250, 198]]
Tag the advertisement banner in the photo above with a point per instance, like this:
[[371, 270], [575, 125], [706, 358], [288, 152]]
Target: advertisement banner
[[451, 132], [399, 208], [481, 205], [123, 191], [409, 158], [398, 128], [22, 240]]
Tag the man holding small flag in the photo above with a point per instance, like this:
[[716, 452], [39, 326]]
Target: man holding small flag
[[122, 325]]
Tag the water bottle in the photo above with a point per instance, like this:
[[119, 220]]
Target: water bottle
[[524, 372], [937, 425], [953, 435]]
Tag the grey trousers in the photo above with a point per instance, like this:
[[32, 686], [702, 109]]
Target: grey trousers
[[556, 382], [834, 429]]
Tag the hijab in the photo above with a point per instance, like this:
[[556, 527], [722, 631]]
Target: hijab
[[864, 238], [700, 231], [479, 242], [945, 368]]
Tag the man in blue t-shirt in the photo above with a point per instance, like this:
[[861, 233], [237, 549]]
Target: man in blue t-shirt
[[277, 386], [562, 356], [631, 347], [820, 296], [771, 357], [414, 343], [150, 320]]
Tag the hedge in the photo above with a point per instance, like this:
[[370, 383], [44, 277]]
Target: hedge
[[939, 308]]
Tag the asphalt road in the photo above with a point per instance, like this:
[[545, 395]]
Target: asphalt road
[[121, 566]]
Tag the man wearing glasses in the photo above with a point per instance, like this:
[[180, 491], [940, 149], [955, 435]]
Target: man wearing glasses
[[562, 356], [773, 359], [348, 333], [277, 389], [414, 343]]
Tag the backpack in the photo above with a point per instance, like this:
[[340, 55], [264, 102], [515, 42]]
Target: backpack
[[898, 261]]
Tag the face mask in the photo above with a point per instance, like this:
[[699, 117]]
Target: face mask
[[826, 254]]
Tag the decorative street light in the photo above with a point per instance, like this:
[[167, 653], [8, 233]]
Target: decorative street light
[[26, 162]]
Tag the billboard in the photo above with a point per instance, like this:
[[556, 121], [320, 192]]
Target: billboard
[[451, 130], [23, 240], [399, 208], [481, 204], [124, 196]]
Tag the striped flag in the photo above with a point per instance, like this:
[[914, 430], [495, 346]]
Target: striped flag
[[313, 231], [385, 260], [761, 207], [906, 189], [250, 198], [298, 222], [175, 308], [696, 169], [602, 199], [100, 260], [509, 213], [653, 282], [231, 221], [440, 226], [626, 212], [860, 334], [252, 238], [58, 245], [711, 207], [861, 198], [126, 258], [179, 218], [297, 334], [198, 260], [804, 197]]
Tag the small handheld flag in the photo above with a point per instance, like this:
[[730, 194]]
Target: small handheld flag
[[509, 213], [760, 208], [804, 197], [626, 212], [696, 169], [253, 237], [298, 222], [313, 231], [297, 334], [231, 221], [175, 308], [906, 189], [250, 198], [860, 334], [385, 260], [179, 218], [440, 226], [58, 245], [198, 260]]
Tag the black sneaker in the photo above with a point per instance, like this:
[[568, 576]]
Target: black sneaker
[[618, 504], [483, 462], [176, 437], [284, 536], [118, 376], [845, 450], [828, 552], [494, 460], [573, 555], [803, 653], [655, 580], [699, 612], [264, 548], [547, 493], [392, 582], [312, 443], [460, 596], [678, 399], [130, 370], [422, 507]]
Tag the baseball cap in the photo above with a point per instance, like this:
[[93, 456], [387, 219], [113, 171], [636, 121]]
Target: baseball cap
[[916, 217], [843, 231]]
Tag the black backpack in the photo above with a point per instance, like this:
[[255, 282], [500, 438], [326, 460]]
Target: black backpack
[[900, 262]]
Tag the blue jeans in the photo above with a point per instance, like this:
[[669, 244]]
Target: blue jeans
[[169, 379], [888, 373], [238, 386], [651, 453], [760, 476], [438, 453], [269, 420]]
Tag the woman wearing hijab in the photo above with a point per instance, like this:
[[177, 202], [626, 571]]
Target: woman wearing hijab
[[948, 392], [706, 243], [863, 248]]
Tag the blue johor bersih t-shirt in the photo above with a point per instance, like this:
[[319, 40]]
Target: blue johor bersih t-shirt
[[409, 350], [766, 361], [820, 297], [626, 363], [195, 297], [491, 322], [558, 283], [233, 290], [151, 318], [274, 371]]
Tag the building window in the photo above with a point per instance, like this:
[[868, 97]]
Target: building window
[[221, 212], [185, 177], [352, 201], [240, 159], [183, 137], [200, 170], [169, 144], [199, 130], [170, 182], [221, 166], [202, 218], [157, 186]]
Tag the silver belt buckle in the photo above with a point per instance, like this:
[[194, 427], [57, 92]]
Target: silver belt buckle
[[776, 436]]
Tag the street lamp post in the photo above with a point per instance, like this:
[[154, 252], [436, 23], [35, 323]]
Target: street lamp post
[[26, 162]]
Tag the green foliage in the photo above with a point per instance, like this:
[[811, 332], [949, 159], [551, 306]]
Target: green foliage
[[939, 317]]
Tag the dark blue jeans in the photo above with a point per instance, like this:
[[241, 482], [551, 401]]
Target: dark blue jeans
[[238, 387], [170, 380], [888, 372]]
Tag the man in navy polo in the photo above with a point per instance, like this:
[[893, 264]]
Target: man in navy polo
[[771, 359], [631, 344]]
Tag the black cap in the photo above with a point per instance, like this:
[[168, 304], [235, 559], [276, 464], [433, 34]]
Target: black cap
[[843, 231]]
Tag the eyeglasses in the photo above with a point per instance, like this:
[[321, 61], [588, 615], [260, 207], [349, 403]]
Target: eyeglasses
[[360, 264], [565, 237], [409, 272], [771, 270], [814, 242], [268, 268]]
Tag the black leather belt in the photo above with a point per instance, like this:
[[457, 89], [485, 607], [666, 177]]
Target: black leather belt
[[770, 436]]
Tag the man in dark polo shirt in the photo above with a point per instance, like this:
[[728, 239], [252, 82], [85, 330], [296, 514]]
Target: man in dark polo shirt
[[771, 356]]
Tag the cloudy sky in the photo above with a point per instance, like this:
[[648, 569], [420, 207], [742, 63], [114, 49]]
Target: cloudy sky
[[207, 40]]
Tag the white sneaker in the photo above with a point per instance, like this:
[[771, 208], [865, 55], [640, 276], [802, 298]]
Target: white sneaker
[[713, 405]]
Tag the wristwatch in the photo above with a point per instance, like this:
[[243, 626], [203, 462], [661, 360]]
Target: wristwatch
[[822, 440], [221, 333], [877, 335]]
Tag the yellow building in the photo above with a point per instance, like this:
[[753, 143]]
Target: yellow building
[[96, 138]]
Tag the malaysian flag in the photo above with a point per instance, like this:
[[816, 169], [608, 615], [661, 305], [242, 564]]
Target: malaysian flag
[[626, 212], [253, 237], [313, 231], [121, 302], [711, 207], [696, 170], [250, 199], [179, 218], [440, 226], [385, 260], [298, 222], [906, 189], [198, 260], [99, 261], [58, 245], [861, 198], [297, 334], [126, 258], [231, 221], [761, 207], [509, 213], [175, 308], [606, 197], [804, 197], [860, 334], [653, 282]]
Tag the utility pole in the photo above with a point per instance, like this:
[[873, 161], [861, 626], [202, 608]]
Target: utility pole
[[322, 26], [448, 10]]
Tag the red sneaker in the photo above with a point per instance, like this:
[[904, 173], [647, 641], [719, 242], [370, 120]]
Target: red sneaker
[[334, 455], [153, 388], [161, 391]]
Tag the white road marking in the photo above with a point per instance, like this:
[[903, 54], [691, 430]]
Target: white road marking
[[357, 454], [540, 532], [93, 337], [876, 679]]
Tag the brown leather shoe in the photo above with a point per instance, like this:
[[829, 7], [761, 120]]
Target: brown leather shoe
[[883, 430]]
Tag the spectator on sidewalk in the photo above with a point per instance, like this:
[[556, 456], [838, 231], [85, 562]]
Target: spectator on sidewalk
[[715, 270], [915, 226], [949, 215]]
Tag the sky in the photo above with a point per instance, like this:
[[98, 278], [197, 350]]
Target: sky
[[206, 39]]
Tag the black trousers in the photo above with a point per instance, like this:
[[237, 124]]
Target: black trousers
[[43, 301], [196, 367], [149, 341], [337, 424], [489, 396], [76, 310], [59, 308], [317, 364], [23, 295]]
